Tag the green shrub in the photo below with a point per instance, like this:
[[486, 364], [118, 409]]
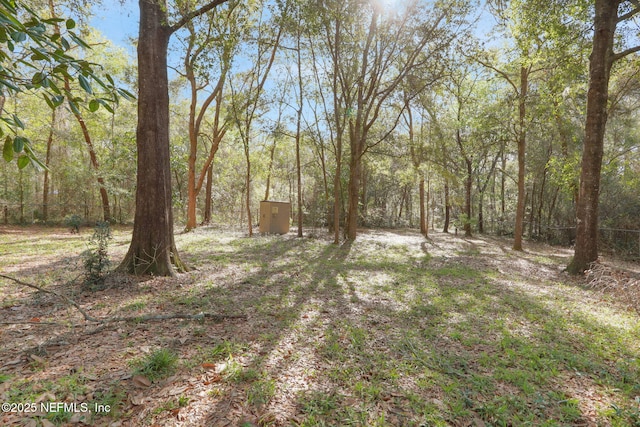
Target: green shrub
[[96, 258], [159, 364]]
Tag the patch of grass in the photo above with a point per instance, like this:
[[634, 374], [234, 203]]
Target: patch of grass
[[388, 335], [457, 271], [156, 365], [166, 406], [191, 300], [261, 392], [59, 417], [135, 305], [71, 385], [183, 401], [224, 350], [114, 398], [319, 403], [22, 391]]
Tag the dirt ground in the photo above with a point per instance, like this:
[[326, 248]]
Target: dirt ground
[[50, 351]]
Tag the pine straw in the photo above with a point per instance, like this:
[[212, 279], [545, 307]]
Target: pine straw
[[623, 285]]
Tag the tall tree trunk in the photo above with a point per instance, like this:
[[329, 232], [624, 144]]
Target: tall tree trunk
[[337, 191], [363, 189], [424, 224], [600, 62], [402, 203], [503, 183], [522, 148], [194, 184], [467, 197], [45, 183], [355, 171], [106, 210], [532, 210], [447, 207], [481, 213], [153, 249], [247, 183], [206, 220], [299, 133], [272, 153]]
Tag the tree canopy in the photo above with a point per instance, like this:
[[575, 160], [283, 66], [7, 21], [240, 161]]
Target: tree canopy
[[453, 115]]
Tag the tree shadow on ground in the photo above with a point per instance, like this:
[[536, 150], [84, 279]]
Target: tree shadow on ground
[[448, 332]]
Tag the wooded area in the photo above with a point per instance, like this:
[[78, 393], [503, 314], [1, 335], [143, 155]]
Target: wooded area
[[458, 168], [388, 114]]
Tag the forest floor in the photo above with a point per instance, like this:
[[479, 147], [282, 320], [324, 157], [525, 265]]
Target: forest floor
[[390, 330]]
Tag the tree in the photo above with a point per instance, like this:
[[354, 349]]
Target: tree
[[35, 43], [211, 44], [417, 151], [152, 249], [608, 15], [246, 97], [540, 32], [373, 52], [106, 210]]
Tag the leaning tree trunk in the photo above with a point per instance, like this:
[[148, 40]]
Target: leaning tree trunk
[[600, 62], [153, 250]]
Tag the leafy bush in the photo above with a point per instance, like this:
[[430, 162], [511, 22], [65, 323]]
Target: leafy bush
[[96, 258], [73, 222]]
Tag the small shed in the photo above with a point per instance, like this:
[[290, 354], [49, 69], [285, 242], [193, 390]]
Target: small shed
[[274, 217]]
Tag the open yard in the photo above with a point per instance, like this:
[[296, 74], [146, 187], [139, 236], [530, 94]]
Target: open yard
[[391, 330]]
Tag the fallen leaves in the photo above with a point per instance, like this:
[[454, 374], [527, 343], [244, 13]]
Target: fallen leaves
[[141, 381]]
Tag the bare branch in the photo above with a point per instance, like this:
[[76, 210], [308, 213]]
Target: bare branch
[[145, 318], [626, 52], [63, 297], [631, 13], [189, 16], [502, 73]]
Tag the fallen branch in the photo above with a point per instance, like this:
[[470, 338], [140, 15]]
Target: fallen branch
[[31, 322], [116, 319], [63, 297]]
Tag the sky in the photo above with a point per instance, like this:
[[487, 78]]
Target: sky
[[117, 22]]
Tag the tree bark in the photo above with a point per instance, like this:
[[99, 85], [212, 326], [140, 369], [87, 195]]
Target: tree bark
[[195, 123], [447, 207], [106, 209], [153, 249], [353, 187], [600, 62], [247, 183], [45, 184], [206, 220], [299, 133], [424, 223], [522, 147]]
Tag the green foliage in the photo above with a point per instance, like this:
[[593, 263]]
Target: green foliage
[[29, 42], [159, 364], [96, 258], [261, 392], [73, 222]]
